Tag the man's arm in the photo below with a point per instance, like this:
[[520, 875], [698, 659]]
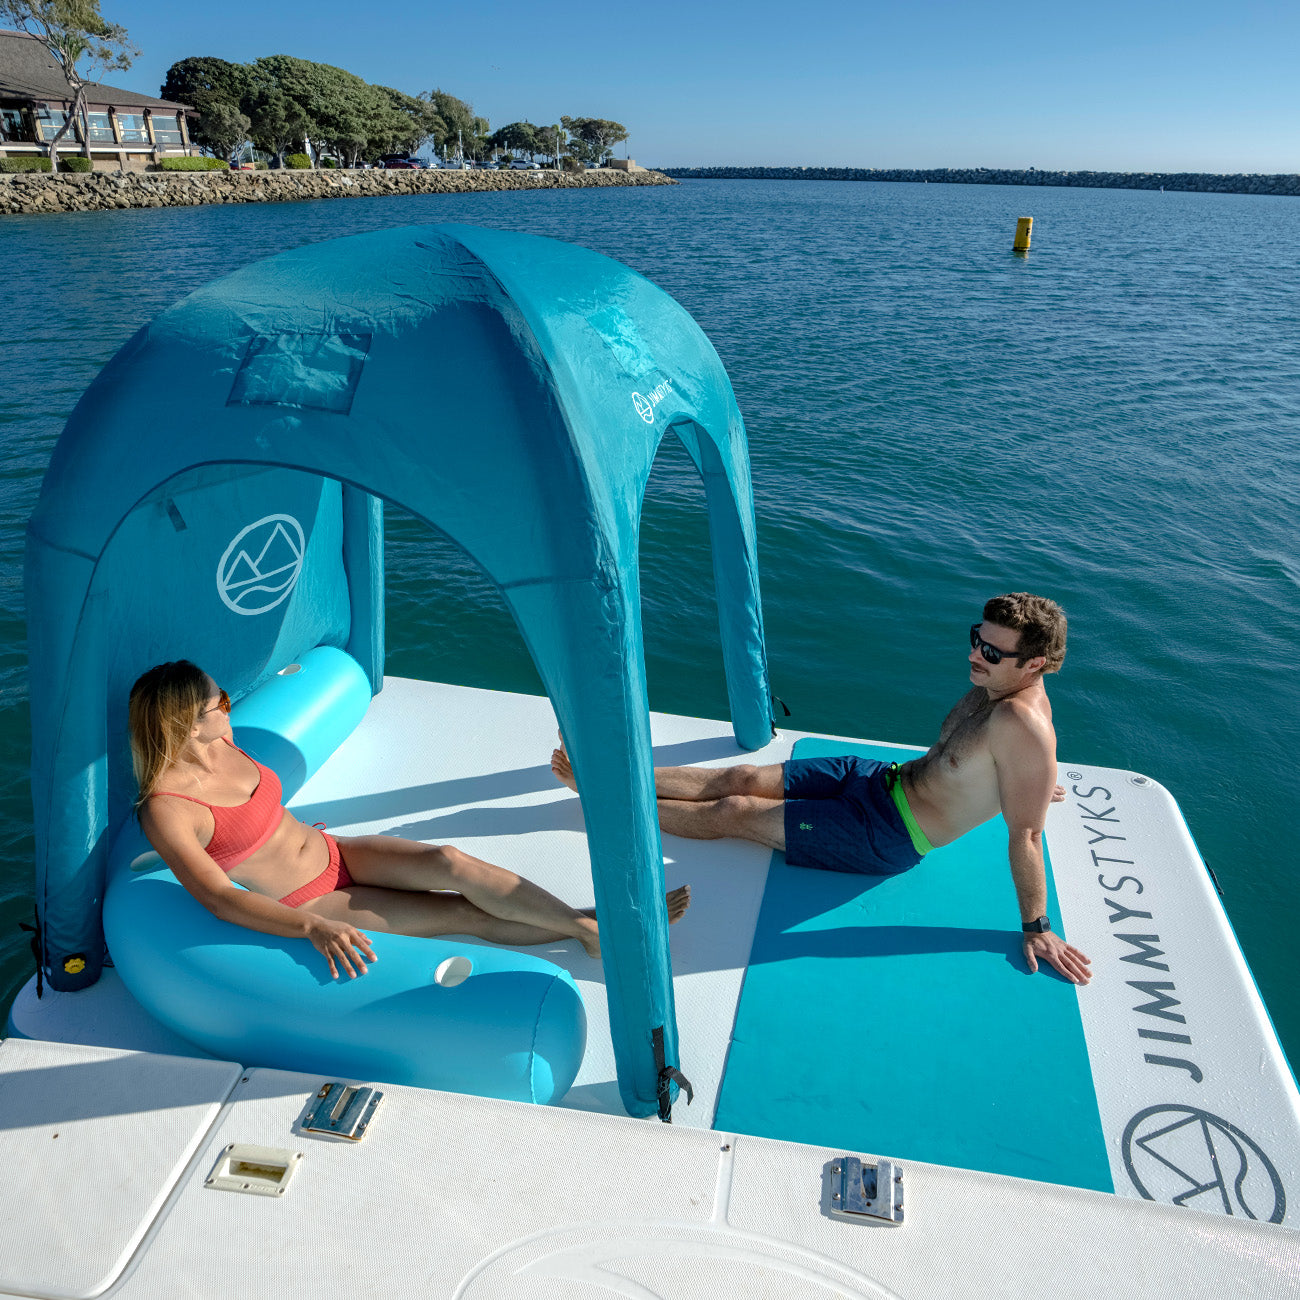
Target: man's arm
[[1024, 754]]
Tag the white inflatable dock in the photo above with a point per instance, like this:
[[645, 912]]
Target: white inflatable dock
[[1155, 1149]]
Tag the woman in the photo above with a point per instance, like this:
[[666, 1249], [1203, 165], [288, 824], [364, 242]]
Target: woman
[[215, 817]]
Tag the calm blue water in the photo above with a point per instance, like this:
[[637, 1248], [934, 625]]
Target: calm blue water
[[1114, 421]]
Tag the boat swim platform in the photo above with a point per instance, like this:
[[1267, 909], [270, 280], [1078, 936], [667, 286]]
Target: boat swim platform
[[138, 1176], [864, 1013]]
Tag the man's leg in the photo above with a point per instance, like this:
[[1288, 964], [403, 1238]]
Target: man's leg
[[698, 783], [709, 803], [735, 816]]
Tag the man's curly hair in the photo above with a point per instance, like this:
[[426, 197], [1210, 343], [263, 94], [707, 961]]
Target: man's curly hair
[[1040, 622]]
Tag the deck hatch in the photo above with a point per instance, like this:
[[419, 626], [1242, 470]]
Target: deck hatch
[[95, 1141]]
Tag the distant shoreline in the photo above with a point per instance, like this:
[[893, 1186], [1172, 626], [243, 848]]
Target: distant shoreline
[[1284, 184], [26, 193]]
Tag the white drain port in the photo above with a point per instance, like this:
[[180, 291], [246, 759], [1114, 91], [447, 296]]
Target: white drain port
[[258, 1171], [453, 971]]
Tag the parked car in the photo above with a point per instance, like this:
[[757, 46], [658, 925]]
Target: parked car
[[398, 162], [488, 166], [523, 165], [456, 165]]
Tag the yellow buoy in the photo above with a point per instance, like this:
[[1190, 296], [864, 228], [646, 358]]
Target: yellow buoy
[[1023, 227]]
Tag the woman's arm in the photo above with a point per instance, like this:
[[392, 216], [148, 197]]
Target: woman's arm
[[174, 832]]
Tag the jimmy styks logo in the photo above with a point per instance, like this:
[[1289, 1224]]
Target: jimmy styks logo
[[645, 405]]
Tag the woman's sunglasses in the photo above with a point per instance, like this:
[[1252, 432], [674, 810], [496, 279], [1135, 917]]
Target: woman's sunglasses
[[222, 704], [992, 654]]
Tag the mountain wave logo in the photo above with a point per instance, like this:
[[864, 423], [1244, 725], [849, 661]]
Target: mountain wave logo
[[1183, 1155], [262, 565]]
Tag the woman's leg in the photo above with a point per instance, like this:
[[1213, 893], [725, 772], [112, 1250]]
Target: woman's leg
[[502, 906], [425, 915]]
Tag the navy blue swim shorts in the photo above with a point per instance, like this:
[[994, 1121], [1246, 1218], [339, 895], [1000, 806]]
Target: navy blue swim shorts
[[840, 816]]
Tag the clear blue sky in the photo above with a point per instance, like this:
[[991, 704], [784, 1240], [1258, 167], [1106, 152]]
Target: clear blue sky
[[1149, 85]]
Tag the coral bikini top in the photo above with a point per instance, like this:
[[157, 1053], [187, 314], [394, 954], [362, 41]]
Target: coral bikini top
[[242, 830]]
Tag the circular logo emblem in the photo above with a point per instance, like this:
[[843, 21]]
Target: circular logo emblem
[[1181, 1155], [644, 408], [261, 566]]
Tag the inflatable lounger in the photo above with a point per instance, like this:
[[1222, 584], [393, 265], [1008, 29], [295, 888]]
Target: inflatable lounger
[[429, 1012]]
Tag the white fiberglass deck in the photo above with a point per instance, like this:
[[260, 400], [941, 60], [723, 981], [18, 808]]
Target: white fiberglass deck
[[450, 1197]]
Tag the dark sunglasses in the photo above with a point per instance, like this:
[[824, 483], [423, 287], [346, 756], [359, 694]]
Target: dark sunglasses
[[223, 703], [992, 654]]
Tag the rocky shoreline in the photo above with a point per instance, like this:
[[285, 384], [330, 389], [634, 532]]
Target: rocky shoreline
[[32, 192], [1196, 182]]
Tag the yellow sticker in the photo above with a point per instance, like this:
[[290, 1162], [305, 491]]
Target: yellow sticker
[[74, 965]]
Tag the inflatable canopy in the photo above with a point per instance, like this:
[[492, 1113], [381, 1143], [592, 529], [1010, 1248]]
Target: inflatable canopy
[[217, 495]]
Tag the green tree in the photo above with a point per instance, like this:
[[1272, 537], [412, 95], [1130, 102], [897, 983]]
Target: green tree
[[309, 86], [458, 125], [223, 128], [217, 89], [80, 41], [203, 81], [405, 123], [592, 139], [477, 144], [550, 141], [525, 138], [276, 123]]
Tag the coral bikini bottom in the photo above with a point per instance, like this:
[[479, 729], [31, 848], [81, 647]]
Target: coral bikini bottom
[[335, 876]]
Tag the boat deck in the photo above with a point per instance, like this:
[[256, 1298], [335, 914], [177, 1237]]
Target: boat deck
[[887, 1016]]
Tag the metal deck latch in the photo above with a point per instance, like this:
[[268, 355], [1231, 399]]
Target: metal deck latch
[[342, 1110], [863, 1191]]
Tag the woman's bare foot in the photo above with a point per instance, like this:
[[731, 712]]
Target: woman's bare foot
[[677, 900], [562, 768]]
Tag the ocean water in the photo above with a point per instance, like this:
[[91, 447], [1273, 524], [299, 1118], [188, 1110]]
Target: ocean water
[[1113, 420]]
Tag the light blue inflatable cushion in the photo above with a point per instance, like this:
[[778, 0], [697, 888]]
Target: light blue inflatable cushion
[[437, 1013]]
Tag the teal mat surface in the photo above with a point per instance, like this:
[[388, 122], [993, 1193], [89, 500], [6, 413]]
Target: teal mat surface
[[895, 1015]]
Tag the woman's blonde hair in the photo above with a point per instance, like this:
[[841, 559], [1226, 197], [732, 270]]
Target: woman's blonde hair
[[165, 704]]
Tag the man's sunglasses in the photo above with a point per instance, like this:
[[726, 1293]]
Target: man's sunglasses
[[992, 654], [223, 703]]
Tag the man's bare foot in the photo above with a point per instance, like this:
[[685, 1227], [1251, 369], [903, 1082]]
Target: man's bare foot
[[677, 901], [563, 769]]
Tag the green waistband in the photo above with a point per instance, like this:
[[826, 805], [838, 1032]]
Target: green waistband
[[919, 841]]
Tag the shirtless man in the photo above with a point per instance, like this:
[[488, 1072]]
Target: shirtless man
[[996, 752]]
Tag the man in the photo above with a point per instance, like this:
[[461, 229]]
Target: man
[[996, 752]]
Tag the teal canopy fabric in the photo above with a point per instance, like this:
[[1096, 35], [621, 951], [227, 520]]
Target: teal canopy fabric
[[217, 495]]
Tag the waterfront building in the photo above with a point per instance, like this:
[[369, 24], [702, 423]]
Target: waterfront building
[[122, 131]]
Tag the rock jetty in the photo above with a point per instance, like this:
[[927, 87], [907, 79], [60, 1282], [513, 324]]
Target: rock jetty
[[1197, 182], [33, 192]]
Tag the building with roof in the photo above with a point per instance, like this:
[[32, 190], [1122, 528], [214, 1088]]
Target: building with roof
[[123, 130]]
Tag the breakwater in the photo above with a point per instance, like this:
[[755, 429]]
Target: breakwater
[[1196, 182], [33, 192]]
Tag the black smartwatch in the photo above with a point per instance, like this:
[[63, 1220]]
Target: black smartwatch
[[1036, 927]]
